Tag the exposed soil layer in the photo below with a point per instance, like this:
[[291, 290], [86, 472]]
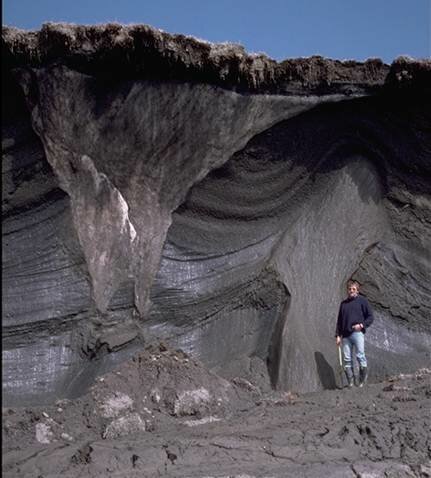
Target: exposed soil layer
[[143, 52], [164, 414]]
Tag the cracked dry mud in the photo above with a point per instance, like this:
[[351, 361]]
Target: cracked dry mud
[[164, 414]]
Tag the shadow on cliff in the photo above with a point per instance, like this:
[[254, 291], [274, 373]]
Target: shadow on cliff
[[325, 372], [276, 343]]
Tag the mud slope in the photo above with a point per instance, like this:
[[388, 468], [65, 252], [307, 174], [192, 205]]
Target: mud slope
[[157, 187], [163, 414]]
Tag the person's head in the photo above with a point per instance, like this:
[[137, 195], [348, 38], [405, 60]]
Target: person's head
[[352, 288]]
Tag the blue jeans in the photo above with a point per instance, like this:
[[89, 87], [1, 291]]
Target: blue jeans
[[357, 340]]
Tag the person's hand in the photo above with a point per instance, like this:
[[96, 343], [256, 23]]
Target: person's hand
[[358, 327], [338, 340]]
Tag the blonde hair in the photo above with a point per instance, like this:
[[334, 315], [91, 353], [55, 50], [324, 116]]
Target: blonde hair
[[353, 282]]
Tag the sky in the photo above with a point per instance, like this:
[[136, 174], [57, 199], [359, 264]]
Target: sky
[[340, 29]]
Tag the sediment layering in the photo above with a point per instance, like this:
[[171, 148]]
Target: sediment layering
[[157, 187]]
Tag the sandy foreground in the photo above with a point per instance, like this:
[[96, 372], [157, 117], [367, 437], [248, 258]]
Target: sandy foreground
[[164, 414]]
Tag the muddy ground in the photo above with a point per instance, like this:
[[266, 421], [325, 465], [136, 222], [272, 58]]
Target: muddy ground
[[163, 414]]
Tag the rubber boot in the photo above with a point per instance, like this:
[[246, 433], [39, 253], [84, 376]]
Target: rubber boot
[[363, 375], [349, 375]]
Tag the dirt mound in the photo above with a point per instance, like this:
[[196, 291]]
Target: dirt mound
[[157, 388]]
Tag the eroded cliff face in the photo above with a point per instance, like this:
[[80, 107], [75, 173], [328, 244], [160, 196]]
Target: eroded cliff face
[[160, 188]]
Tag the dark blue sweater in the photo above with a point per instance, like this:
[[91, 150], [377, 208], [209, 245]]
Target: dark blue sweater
[[353, 311]]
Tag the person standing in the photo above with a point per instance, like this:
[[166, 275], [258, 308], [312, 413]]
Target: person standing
[[354, 317]]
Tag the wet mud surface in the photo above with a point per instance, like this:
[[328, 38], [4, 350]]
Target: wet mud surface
[[164, 414]]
